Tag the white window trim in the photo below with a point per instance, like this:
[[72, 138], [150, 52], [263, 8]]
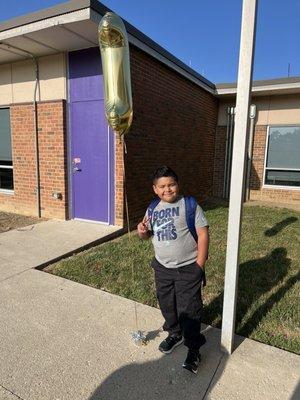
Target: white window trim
[[6, 166], [264, 185], [7, 191]]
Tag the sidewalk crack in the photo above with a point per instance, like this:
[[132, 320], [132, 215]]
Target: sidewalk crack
[[9, 391], [16, 274], [212, 378]]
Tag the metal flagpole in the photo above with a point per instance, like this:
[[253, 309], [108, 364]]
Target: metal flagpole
[[238, 172]]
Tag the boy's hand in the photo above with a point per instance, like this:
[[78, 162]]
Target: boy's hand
[[143, 227], [200, 265]]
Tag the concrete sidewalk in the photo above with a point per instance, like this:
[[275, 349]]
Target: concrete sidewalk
[[61, 340], [35, 245]]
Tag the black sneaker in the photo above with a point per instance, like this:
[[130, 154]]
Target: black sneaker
[[192, 361], [170, 343]]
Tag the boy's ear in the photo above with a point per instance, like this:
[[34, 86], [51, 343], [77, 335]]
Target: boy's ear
[[154, 189]]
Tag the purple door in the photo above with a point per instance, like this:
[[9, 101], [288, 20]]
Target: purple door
[[91, 142]]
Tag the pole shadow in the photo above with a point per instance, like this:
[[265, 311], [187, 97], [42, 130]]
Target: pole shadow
[[296, 394], [280, 226]]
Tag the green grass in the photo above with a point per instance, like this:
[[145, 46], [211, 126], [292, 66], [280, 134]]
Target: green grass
[[268, 296]]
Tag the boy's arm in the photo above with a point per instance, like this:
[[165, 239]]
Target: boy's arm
[[203, 244]]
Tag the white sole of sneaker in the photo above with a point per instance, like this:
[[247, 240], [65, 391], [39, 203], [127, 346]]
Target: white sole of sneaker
[[176, 345], [190, 369]]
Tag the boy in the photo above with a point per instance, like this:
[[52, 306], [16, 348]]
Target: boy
[[178, 265]]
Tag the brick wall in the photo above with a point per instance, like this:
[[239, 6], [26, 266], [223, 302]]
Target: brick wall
[[174, 123], [257, 169], [258, 157], [52, 150]]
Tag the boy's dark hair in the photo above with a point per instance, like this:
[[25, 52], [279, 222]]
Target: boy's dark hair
[[163, 172]]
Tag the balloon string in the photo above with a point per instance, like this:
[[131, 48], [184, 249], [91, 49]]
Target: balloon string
[[128, 225]]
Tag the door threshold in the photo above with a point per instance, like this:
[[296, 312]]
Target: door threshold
[[92, 221]]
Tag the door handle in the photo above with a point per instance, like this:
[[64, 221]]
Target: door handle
[[76, 169]]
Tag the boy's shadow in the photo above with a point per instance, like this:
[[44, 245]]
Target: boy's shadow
[[256, 278], [162, 378]]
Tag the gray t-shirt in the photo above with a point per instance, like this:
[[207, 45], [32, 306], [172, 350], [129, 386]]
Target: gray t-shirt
[[174, 245]]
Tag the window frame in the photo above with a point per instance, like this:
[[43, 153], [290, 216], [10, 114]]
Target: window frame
[[281, 187], [8, 191]]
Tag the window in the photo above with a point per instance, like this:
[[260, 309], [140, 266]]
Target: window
[[6, 165], [283, 156]]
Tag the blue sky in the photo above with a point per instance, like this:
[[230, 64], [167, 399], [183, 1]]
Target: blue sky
[[205, 33]]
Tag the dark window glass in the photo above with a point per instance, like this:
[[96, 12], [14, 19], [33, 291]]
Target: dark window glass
[[6, 179], [282, 178]]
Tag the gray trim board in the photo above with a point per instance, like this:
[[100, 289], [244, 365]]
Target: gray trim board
[[266, 82]]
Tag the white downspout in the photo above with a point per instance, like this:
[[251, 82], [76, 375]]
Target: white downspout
[[226, 153], [250, 149]]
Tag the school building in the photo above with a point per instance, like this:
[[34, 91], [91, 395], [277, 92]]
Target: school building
[[59, 159], [274, 141]]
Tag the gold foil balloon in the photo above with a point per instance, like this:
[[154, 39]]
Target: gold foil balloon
[[114, 49]]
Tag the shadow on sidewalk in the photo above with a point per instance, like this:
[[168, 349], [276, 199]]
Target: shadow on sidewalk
[[296, 394], [163, 378]]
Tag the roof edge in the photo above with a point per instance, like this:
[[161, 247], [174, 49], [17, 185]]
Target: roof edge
[[76, 5], [54, 11], [264, 82]]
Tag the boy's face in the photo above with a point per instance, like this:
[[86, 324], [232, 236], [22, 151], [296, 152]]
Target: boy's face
[[167, 189]]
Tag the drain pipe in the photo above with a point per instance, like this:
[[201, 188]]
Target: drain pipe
[[226, 153], [230, 144], [252, 116], [37, 153], [37, 161]]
